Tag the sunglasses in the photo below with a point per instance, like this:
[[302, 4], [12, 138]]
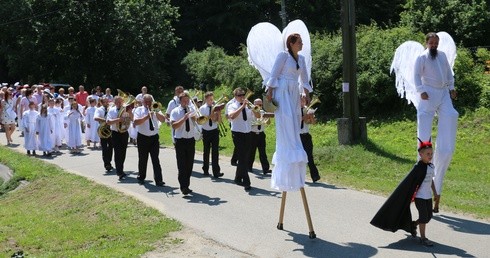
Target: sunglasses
[[240, 95]]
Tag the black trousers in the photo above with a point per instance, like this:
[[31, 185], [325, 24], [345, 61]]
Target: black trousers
[[120, 144], [107, 150], [308, 146], [149, 145], [243, 155], [257, 141], [234, 156], [184, 151], [210, 140]]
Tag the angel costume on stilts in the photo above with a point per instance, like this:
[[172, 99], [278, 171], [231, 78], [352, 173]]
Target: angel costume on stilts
[[429, 71], [288, 78]]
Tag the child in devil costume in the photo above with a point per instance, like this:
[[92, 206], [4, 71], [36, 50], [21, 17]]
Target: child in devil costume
[[395, 213]]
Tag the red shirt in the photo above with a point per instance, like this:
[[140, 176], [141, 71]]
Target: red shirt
[[81, 98]]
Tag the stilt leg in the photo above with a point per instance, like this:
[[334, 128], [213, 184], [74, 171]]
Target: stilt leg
[[308, 216], [281, 213]]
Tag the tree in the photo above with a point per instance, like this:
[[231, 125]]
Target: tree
[[467, 21]]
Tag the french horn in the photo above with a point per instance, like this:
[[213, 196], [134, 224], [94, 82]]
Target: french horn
[[126, 119]]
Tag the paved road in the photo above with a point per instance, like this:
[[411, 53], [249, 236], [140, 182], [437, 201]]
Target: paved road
[[246, 221]]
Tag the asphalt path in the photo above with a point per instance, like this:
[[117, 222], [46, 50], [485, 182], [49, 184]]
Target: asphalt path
[[246, 221]]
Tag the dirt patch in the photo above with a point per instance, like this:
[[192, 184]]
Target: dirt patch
[[189, 243]]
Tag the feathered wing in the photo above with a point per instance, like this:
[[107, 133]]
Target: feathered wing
[[298, 26], [403, 65], [447, 45], [264, 43]]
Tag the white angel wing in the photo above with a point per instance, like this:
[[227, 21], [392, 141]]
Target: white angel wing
[[447, 45], [403, 65], [298, 26], [264, 43]]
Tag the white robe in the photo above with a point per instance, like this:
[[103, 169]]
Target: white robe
[[74, 119], [91, 133], [29, 118], [44, 128], [290, 158], [57, 121]]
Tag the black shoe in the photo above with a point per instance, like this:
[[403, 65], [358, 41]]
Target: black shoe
[[205, 174], [122, 176], [218, 175], [234, 163], [161, 184], [316, 179], [28, 153], [248, 188], [186, 191], [108, 168], [33, 153], [238, 182], [265, 172], [250, 170], [140, 181]]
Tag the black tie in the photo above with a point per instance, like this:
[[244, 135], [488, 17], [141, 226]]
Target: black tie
[[302, 123], [151, 123], [210, 122], [244, 113], [259, 127], [187, 125]]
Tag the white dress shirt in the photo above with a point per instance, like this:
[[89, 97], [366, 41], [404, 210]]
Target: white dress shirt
[[144, 128], [204, 109], [176, 115], [434, 73], [238, 124]]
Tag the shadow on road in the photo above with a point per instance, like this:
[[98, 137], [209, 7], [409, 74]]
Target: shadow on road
[[463, 225], [204, 199], [413, 245], [320, 248], [324, 185]]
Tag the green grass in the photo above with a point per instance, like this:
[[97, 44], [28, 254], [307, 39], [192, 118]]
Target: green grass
[[63, 215], [381, 163]]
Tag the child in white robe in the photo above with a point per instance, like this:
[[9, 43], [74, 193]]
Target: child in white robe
[[54, 113], [91, 125], [59, 102], [74, 119], [29, 118], [44, 130]]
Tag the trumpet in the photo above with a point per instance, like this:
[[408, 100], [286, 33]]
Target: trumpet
[[201, 119], [253, 107]]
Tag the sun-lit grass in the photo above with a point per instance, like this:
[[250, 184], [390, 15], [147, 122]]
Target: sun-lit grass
[[62, 215], [390, 153]]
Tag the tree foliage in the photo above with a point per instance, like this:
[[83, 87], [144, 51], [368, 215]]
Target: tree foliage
[[467, 21], [115, 42]]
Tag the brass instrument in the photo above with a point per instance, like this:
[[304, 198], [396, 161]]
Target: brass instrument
[[310, 111], [263, 120], [253, 107], [201, 119], [219, 104], [156, 106], [128, 101], [104, 130]]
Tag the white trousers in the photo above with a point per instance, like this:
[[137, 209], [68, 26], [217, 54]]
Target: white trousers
[[439, 103]]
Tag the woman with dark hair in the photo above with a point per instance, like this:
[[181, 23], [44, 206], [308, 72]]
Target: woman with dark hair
[[8, 116], [287, 83]]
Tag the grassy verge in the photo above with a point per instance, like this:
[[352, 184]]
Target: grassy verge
[[389, 154], [62, 215]]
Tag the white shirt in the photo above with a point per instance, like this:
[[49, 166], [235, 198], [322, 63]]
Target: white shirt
[[306, 127], [436, 73], [255, 128], [424, 191], [175, 102], [238, 124], [176, 115], [113, 113], [204, 109], [144, 128]]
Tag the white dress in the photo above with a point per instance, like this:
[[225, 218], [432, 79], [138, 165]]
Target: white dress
[[74, 138], [57, 120], [290, 158], [44, 128], [29, 119], [8, 113], [91, 133]]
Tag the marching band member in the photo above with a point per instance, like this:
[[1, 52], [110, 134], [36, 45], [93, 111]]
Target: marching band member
[[106, 143], [185, 143], [119, 138], [173, 103], [210, 136], [257, 141], [240, 116], [147, 123], [306, 139], [234, 158]]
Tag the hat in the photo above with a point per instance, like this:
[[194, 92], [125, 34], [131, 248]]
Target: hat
[[424, 145], [5, 84], [26, 86], [16, 84]]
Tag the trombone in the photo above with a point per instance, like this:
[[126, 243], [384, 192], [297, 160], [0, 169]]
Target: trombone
[[310, 111], [201, 119], [253, 107]]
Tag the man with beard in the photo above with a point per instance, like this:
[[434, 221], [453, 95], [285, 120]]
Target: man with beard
[[434, 82]]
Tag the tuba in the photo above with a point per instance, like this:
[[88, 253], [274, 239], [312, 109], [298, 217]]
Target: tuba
[[104, 130], [128, 101]]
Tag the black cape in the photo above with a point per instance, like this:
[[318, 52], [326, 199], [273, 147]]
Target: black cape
[[395, 213]]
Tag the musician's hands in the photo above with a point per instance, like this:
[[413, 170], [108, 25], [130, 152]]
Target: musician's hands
[[269, 95]]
